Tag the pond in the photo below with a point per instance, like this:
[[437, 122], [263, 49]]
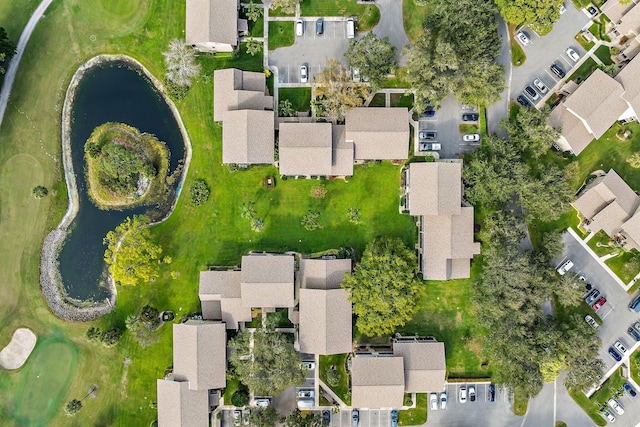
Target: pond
[[112, 92]]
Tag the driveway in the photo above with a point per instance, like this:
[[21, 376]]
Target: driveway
[[391, 25], [541, 52], [311, 49], [500, 110]]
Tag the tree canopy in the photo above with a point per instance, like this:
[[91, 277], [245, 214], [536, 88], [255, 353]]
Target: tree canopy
[[287, 6], [374, 58], [131, 255], [270, 366], [539, 15], [529, 130], [383, 287], [336, 92], [456, 54], [180, 63], [7, 50]]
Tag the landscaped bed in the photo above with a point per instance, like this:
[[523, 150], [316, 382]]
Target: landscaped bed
[[300, 97], [417, 415], [338, 364], [626, 265]]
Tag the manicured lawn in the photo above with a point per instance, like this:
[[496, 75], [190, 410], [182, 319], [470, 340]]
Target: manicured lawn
[[600, 244], [622, 267], [399, 81], [378, 100], [233, 384], [256, 29], [517, 54], [612, 387], [280, 34], [584, 71], [599, 31], [401, 100], [300, 97], [587, 45], [368, 14], [413, 17], [520, 404], [447, 313], [417, 415], [590, 408], [604, 54], [635, 366], [339, 362], [279, 12]]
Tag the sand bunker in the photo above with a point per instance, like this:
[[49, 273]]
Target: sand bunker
[[18, 350]]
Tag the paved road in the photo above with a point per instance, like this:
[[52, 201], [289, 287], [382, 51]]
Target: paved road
[[391, 25], [500, 110], [542, 51], [15, 61], [540, 410], [567, 409]]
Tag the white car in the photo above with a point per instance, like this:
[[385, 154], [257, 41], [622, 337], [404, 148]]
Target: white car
[[463, 394], [620, 347], [304, 74], [572, 54], [237, 417], [568, 265], [563, 9], [443, 400], [299, 27], [616, 406], [591, 321], [433, 400], [541, 86], [523, 38], [608, 415], [308, 365], [306, 393], [471, 137], [262, 403]]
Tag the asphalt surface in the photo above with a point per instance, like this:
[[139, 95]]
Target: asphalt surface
[[500, 110], [567, 409], [541, 52], [368, 418], [15, 61], [311, 49], [392, 25]]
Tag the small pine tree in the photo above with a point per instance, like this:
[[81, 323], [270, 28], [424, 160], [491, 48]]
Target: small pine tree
[[39, 191], [72, 407]]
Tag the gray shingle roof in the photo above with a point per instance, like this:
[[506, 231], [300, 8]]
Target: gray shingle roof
[[572, 128], [435, 188], [220, 298], [305, 149], [424, 365], [631, 230], [239, 90], [342, 152], [180, 407], [267, 280], [247, 137], [615, 10], [199, 354], [323, 274], [629, 79], [377, 382], [325, 321], [630, 22], [378, 133], [212, 21]]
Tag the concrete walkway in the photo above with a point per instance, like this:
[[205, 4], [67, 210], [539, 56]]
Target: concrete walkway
[[15, 61], [392, 25]]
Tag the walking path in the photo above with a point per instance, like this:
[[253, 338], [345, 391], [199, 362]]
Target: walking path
[[15, 61]]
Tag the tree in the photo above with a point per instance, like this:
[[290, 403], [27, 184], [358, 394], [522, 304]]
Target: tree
[[131, 255], [199, 192], [634, 160], [383, 287], [240, 398], [253, 46], [180, 63], [257, 225], [570, 290], [7, 50], [286, 108], [336, 92], [319, 192], [286, 6], [311, 220], [456, 54], [374, 58], [253, 11], [263, 417], [39, 191], [247, 211], [539, 15], [270, 366], [72, 407], [310, 419], [118, 168], [529, 130]]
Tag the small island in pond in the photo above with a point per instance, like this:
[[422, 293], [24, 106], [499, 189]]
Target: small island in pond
[[125, 168]]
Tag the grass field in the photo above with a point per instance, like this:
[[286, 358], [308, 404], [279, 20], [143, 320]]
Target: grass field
[[599, 244], [339, 362], [604, 54], [517, 54], [417, 415], [588, 407], [300, 97], [622, 267], [584, 71], [413, 17], [402, 100], [280, 34], [378, 100]]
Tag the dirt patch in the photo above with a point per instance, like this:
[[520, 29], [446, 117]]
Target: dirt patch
[[18, 350]]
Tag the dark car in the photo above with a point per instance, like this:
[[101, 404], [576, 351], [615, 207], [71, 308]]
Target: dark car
[[531, 92], [614, 353], [320, 26], [598, 304], [326, 417], [592, 10], [635, 334], [629, 389], [492, 393], [429, 111], [394, 418], [427, 135], [470, 117], [522, 100], [472, 393], [557, 70], [635, 305], [355, 418], [592, 296]]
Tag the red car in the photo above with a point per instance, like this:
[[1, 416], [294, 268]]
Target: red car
[[599, 303]]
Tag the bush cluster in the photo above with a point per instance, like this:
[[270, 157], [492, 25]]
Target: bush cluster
[[199, 192], [107, 337]]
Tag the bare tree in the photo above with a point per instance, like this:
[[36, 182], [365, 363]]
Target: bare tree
[[336, 92], [180, 63]]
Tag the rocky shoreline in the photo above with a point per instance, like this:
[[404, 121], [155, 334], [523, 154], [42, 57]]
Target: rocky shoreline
[[50, 279]]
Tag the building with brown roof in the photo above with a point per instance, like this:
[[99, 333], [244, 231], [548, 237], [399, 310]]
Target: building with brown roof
[[221, 299], [377, 382], [628, 78], [199, 354], [178, 406], [213, 25], [267, 280], [324, 308], [239, 90], [625, 18], [424, 365], [307, 149], [609, 204], [445, 226], [378, 133]]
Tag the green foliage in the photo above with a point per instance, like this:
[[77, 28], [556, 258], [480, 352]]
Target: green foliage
[[270, 366], [354, 215], [7, 50], [539, 15], [39, 191], [570, 290], [319, 192], [72, 407], [143, 331], [257, 225], [175, 91], [253, 13], [263, 417], [309, 419], [240, 398], [199, 192], [373, 57], [247, 211], [119, 168], [286, 6], [456, 54], [253, 46], [311, 220], [529, 131], [383, 287], [107, 337], [131, 255], [286, 108], [634, 160], [333, 377], [336, 92]]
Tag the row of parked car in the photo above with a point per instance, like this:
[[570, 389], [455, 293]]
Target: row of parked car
[[617, 406]]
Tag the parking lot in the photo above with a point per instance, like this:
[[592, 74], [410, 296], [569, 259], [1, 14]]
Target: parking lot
[[368, 418], [541, 52], [311, 49], [445, 122]]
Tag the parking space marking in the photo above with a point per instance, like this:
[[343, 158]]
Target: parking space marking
[[570, 64], [604, 316], [553, 76]]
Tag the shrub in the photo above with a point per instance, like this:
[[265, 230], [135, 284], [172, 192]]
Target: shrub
[[319, 192], [240, 398], [311, 220], [333, 377], [257, 225], [92, 333], [72, 407], [149, 314], [354, 215], [39, 191], [110, 336], [199, 192]]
